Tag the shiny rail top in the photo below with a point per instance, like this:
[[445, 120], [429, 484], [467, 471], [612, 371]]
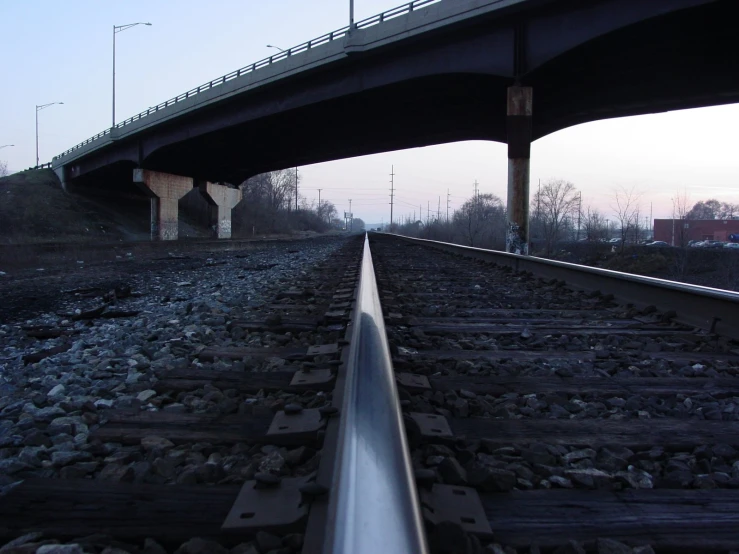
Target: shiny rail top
[[374, 507]]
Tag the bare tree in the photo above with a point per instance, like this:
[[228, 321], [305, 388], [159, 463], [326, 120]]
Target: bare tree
[[680, 225], [712, 209], [595, 225], [481, 220], [327, 211], [269, 202], [4, 169], [557, 201], [626, 207]]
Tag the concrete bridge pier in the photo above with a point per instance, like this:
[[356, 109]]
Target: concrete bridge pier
[[164, 190], [518, 129], [222, 200]]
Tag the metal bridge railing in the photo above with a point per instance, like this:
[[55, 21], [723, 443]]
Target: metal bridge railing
[[373, 505], [304, 47]]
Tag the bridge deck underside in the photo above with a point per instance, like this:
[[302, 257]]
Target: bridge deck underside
[[447, 90]]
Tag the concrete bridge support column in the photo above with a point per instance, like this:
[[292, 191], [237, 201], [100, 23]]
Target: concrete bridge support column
[[223, 199], [519, 153], [164, 191]]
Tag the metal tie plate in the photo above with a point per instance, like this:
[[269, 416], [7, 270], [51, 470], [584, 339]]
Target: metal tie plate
[[432, 425], [413, 381], [281, 507], [307, 421], [460, 505], [323, 349], [312, 377]]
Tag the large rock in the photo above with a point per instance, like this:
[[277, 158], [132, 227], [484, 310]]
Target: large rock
[[117, 473], [63, 458], [610, 546], [452, 472], [491, 479], [201, 546], [60, 549], [155, 443]]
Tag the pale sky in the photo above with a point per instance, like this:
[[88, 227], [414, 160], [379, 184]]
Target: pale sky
[[62, 52]]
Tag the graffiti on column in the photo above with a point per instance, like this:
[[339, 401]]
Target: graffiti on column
[[224, 229], [169, 230], [515, 243]]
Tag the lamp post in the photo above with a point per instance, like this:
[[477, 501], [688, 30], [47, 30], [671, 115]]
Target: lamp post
[[38, 109], [119, 29]]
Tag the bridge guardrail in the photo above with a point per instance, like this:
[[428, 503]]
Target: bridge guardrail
[[323, 39]]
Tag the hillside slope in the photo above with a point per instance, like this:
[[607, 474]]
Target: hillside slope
[[34, 208]]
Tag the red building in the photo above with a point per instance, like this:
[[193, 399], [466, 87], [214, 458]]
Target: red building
[[678, 232]]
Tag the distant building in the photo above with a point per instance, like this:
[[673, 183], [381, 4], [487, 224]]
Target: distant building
[[678, 232]]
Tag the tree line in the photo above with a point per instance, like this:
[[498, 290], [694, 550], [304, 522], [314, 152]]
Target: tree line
[[269, 206], [557, 214]]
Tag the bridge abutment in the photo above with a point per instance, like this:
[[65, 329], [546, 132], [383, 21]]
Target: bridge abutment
[[518, 129], [164, 190], [222, 199]]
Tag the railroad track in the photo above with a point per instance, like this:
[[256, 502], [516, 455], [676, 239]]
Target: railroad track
[[532, 417], [564, 415]]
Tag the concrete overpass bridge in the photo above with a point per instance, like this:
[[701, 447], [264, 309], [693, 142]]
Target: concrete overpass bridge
[[428, 72]]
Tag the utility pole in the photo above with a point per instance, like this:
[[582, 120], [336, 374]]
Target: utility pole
[[475, 191], [392, 194], [438, 211], [538, 200], [428, 212], [447, 205], [579, 211], [351, 216], [319, 202], [651, 221], [296, 189]]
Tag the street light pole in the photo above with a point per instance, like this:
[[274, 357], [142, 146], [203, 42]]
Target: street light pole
[[38, 109], [119, 29], [351, 15], [272, 46]]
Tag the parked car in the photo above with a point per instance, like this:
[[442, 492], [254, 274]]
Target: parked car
[[658, 243], [713, 244], [615, 241], [733, 245]]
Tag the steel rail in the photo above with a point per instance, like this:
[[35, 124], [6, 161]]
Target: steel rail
[[714, 310], [373, 505]]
